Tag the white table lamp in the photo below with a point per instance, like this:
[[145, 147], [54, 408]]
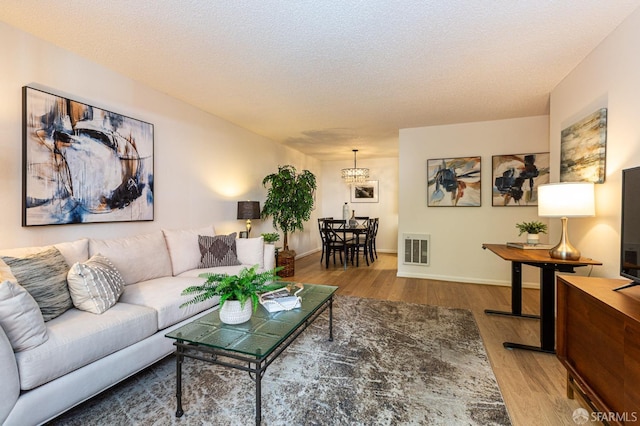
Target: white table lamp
[[565, 200]]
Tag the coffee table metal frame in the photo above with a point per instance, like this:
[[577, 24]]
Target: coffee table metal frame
[[254, 365]]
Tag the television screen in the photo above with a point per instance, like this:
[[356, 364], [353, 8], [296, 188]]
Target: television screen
[[630, 226]]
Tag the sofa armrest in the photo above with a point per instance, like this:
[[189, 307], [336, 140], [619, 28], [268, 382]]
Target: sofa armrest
[[10, 389], [269, 257]]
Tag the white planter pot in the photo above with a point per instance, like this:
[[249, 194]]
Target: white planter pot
[[533, 239], [232, 313]]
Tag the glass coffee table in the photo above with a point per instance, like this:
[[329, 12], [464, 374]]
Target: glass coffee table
[[253, 345]]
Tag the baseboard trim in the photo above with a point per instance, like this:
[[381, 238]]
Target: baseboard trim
[[469, 280], [310, 252]]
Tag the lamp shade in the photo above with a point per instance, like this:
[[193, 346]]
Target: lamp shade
[[567, 199], [248, 210]]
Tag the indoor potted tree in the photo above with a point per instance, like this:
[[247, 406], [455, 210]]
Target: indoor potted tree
[[532, 229], [234, 291], [289, 202]]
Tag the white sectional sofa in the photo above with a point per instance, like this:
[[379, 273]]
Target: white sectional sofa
[[49, 367]]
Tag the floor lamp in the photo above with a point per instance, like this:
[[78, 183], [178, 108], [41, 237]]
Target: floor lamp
[[248, 210], [565, 200]]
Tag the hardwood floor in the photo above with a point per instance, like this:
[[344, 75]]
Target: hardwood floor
[[532, 384]]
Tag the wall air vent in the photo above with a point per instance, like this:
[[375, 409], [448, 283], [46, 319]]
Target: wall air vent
[[417, 248]]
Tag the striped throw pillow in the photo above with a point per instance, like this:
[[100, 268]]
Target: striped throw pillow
[[95, 285], [44, 276]]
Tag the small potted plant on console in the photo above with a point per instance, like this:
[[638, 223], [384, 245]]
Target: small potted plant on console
[[532, 229]]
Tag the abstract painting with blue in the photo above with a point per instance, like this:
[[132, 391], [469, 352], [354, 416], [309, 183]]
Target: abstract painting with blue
[[516, 178], [83, 164], [454, 182]]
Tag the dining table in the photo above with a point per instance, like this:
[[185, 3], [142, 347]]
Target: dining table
[[354, 231]]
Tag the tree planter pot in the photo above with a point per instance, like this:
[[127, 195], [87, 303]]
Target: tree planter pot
[[286, 259], [232, 313]]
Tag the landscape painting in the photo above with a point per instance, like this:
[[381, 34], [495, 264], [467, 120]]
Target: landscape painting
[[516, 178], [583, 149], [454, 182], [83, 164]]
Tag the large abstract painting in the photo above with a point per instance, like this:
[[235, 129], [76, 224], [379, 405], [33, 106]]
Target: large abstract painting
[[454, 182], [83, 164], [583, 149], [516, 178]]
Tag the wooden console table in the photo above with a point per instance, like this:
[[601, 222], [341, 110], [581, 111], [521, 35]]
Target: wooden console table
[[548, 267], [599, 344]]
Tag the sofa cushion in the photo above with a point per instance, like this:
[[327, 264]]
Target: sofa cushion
[[229, 270], [95, 285], [20, 317], [163, 295], [183, 247], [138, 258], [44, 276], [73, 251], [218, 251], [77, 338], [251, 251], [5, 272], [10, 388]]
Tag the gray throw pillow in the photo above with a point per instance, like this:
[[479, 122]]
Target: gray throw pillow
[[44, 276], [218, 251], [95, 285]]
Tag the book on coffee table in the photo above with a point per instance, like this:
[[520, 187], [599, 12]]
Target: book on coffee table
[[276, 294], [526, 246], [282, 299]]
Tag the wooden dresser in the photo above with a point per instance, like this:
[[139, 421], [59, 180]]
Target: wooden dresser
[[598, 341]]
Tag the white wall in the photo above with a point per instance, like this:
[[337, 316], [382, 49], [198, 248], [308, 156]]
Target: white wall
[[203, 164], [609, 77], [457, 233], [335, 193]]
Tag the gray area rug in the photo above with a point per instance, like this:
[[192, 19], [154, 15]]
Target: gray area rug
[[390, 363]]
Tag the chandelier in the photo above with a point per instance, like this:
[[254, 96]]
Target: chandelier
[[354, 174]]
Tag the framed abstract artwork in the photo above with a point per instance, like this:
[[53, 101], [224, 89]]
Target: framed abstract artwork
[[516, 177], [83, 164], [366, 192], [454, 182], [583, 147]]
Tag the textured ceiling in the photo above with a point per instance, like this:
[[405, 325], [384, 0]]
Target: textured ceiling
[[326, 76]]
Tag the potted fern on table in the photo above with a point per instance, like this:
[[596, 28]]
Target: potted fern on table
[[239, 294]]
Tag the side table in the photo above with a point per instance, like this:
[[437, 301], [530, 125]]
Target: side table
[[548, 267]]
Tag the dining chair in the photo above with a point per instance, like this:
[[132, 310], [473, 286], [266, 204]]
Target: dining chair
[[362, 220], [336, 240], [322, 234], [373, 225], [361, 240]]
